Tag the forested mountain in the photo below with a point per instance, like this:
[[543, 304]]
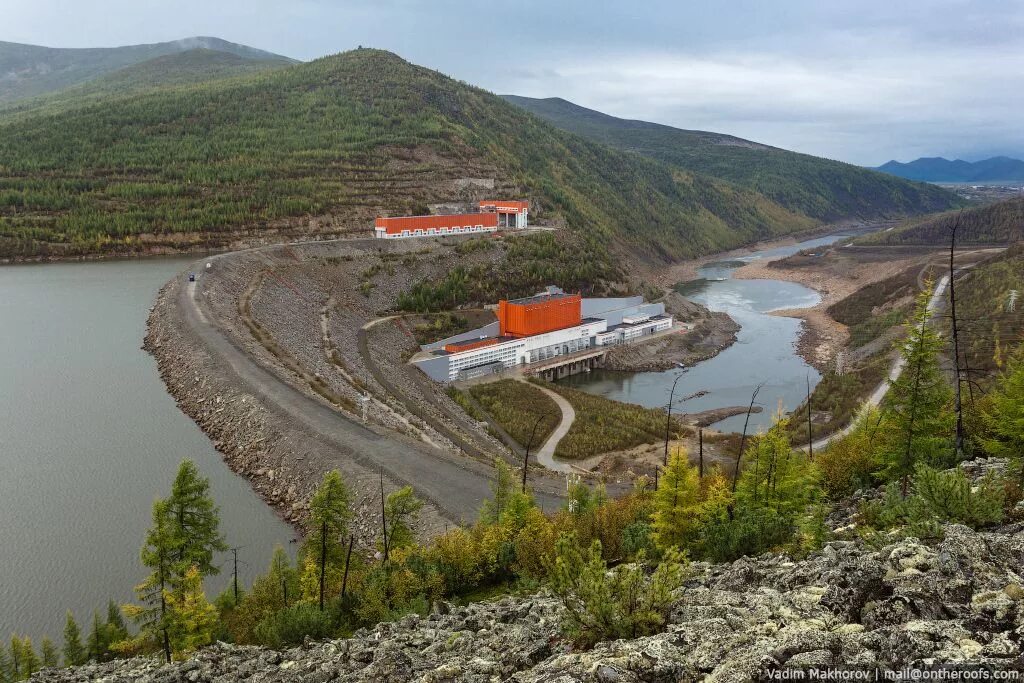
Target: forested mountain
[[999, 223], [819, 188], [939, 170], [181, 69], [325, 146], [31, 70]]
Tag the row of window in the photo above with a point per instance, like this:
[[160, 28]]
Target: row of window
[[420, 232]]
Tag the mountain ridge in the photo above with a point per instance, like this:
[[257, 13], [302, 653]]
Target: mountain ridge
[[822, 189], [940, 169], [33, 70]]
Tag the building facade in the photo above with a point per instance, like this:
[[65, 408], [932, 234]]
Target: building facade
[[435, 226], [539, 328], [493, 215]]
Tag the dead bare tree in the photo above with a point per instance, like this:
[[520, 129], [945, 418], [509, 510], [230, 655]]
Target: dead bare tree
[[743, 443], [810, 433], [957, 406]]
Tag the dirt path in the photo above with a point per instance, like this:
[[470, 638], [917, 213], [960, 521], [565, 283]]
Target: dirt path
[[895, 371], [546, 453]]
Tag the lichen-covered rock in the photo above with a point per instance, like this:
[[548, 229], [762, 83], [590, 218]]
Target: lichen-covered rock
[[909, 604]]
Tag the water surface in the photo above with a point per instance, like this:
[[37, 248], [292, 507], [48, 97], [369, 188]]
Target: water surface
[[89, 438], [764, 352]]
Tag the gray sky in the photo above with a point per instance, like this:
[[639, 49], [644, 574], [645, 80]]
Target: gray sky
[[861, 81]]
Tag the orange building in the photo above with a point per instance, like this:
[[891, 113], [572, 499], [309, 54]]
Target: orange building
[[433, 226], [539, 314]]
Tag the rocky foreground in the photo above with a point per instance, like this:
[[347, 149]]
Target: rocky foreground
[[960, 601]]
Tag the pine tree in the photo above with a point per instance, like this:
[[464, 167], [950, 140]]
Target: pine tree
[[74, 652], [51, 657], [329, 516], [196, 519], [193, 618], [159, 554], [918, 419]]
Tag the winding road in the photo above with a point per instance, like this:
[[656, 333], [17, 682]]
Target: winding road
[[546, 453], [456, 486], [875, 399]]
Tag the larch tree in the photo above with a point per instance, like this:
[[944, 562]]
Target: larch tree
[[29, 659], [1003, 414], [329, 515], [159, 554], [97, 643], [117, 629], [917, 411], [7, 672], [50, 656], [74, 652], [676, 502], [401, 511], [196, 519], [194, 619]]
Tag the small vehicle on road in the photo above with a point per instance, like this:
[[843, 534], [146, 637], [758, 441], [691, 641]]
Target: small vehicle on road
[[191, 277]]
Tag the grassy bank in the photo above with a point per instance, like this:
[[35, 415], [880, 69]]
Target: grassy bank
[[603, 425], [517, 407]]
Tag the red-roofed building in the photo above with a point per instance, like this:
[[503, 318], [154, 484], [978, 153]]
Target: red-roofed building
[[435, 226]]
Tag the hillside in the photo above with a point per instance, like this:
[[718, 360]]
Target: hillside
[[819, 188], [939, 170], [32, 70], [999, 223], [323, 147], [865, 612], [178, 70]]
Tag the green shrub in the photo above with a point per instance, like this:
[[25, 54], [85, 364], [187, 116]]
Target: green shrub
[[604, 605], [291, 625], [937, 497]]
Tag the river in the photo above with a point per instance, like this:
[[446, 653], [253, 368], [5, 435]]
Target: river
[[89, 437], [764, 353]]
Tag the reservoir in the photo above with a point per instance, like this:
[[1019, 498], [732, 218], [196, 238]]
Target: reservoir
[[764, 353], [89, 437]]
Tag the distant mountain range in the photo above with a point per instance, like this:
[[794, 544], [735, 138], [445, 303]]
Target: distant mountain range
[[939, 170], [31, 70]]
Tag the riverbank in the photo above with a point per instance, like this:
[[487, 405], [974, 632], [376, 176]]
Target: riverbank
[[270, 352], [708, 334], [837, 272]]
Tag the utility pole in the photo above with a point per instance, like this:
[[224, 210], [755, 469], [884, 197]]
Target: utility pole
[[323, 560], [959, 444], [700, 451], [668, 416], [234, 573], [348, 558], [383, 517], [810, 434]]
